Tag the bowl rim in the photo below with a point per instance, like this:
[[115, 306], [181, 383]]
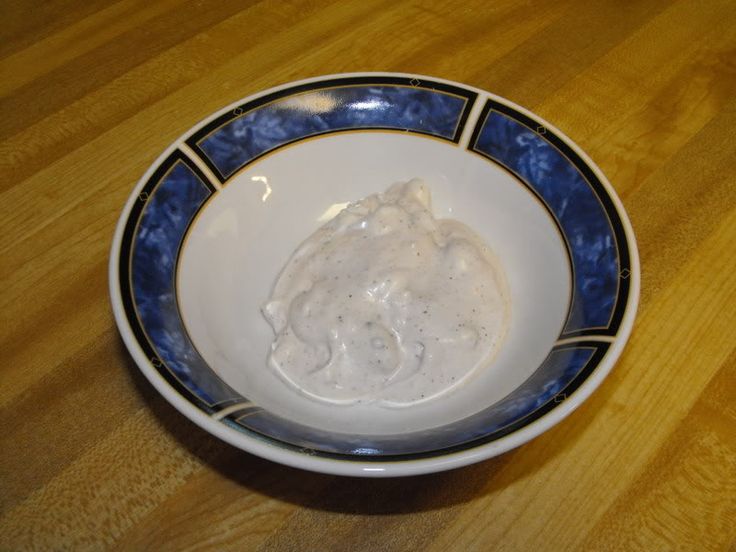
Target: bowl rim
[[376, 468]]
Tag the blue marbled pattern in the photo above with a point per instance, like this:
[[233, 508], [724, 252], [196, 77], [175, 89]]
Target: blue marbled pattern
[[265, 128], [161, 229], [576, 207]]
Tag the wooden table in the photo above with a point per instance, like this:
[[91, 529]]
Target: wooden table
[[91, 457]]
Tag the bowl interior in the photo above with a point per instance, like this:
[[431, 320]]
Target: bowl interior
[[241, 239]]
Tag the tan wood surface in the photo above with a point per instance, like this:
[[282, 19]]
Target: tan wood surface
[[91, 457]]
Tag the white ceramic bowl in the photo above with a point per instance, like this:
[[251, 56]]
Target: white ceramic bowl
[[208, 227]]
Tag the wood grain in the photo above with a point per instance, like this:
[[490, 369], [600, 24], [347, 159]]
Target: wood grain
[[92, 458]]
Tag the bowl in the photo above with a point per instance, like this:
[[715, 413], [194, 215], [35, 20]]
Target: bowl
[[208, 227]]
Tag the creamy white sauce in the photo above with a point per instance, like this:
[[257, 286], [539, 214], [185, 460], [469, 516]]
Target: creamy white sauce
[[385, 303]]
